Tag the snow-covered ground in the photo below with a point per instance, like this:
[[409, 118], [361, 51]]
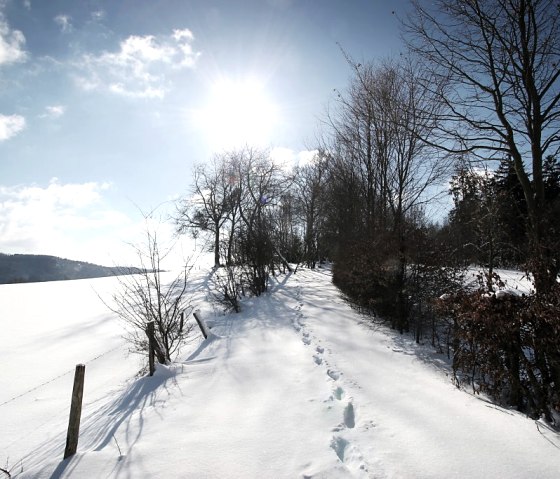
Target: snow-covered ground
[[514, 282], [296, 385]]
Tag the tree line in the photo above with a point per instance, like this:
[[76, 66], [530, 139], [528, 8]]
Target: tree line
[[472, 110]]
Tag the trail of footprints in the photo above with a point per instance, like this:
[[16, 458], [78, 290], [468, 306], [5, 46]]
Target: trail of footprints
[[347, 452]]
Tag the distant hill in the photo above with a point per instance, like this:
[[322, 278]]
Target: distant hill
[[28, 268]]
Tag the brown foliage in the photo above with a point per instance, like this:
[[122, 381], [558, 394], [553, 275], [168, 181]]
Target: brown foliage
[[507, 346]]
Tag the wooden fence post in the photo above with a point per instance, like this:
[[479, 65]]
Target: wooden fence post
[[151, 354], [75, 411], [201, 324]]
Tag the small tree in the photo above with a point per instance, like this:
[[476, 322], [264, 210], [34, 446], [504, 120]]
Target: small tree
[[145, 295]]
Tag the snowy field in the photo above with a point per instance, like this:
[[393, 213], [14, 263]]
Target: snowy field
[[297, 385]]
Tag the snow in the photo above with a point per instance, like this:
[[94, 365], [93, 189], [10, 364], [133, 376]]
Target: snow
[[515, 283], [296, 385]]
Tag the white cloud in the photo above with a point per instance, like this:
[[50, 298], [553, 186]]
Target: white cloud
[[10, 125], [284, 157], [289, 159], [147, 92], [306, 157], [184, 34], [12, 43], [70, 220], [27, 4], [138, 67], [53, 111], [64, 22]]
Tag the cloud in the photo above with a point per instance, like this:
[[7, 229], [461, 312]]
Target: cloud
[[283, 157], [70, 220], [27, 4], [54, 111], [138, 68], [289, 159], [10, 125], [64, 22], [12, 43], [307, 157]]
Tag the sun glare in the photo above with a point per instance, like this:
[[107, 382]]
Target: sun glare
[[239, 112]]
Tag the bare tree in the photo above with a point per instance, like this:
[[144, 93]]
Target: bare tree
[[212, 201], [149, 294], [309, 187], [352, 124], [380, 130], [262, 183], [499, 61]]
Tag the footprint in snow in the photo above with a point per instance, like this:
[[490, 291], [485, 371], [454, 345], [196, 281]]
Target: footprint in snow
[[333, 374], [348, 454], [318, 359], [349, 417], [306, 340], [338, 393], [320, 349], [339, 445]]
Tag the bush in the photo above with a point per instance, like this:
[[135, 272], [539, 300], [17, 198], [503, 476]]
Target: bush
[[229, 287], [507, 346], [144, 296]]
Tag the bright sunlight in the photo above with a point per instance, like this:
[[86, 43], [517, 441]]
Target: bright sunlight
[[238, 112]]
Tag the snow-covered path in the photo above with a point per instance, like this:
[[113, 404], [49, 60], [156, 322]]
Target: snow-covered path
[[299, 385], [408, 415]]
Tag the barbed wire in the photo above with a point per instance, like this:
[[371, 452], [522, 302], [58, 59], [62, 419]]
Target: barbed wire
[[58, 377]]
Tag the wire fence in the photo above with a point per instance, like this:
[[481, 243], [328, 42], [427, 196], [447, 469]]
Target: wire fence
[[70, 371]]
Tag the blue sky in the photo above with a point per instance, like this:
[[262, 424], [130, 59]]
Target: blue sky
[[105, 105]]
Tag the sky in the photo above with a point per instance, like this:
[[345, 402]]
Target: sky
[[106, 105]]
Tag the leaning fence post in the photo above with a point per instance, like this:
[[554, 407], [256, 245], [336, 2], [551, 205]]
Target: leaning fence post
[[75, 411], [201, 324], [151, 354]]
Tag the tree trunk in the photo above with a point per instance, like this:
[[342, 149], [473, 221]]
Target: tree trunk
[[216, 244]]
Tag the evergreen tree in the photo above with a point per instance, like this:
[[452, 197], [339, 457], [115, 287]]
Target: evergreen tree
[[512, 214]]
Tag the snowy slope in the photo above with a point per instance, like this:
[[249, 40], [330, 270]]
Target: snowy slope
[[297, 385]]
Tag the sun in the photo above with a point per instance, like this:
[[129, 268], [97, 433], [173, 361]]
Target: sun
[[239, 112]]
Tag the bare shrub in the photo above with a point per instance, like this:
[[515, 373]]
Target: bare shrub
[[229, 287], [146, 294]]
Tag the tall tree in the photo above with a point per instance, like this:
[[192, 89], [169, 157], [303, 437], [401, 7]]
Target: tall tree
[[263, 183], [499, 60], [476, 219], [383, 173], [211, 202], [512, 214], [310, 186]]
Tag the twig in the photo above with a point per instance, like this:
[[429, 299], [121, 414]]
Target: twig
[[118, 447], [541, 433], [5, 472]]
